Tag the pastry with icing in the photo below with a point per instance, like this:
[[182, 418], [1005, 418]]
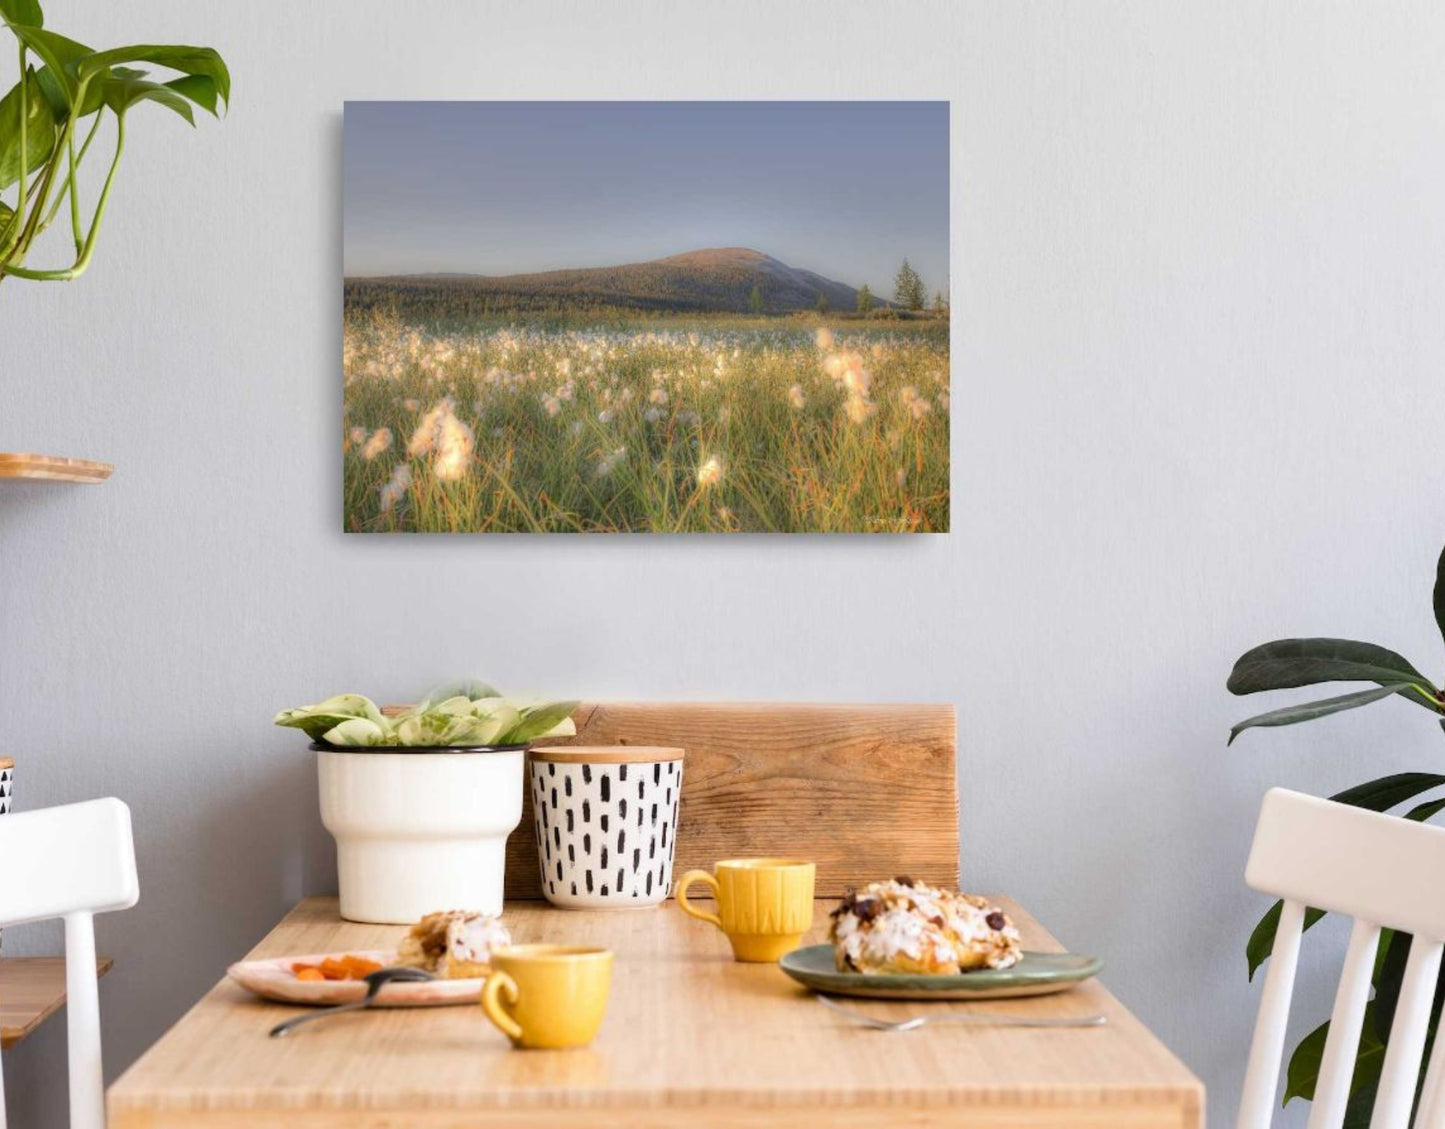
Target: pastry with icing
[[904, 926], [455, 944]]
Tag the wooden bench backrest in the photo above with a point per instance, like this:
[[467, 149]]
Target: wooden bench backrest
[[868, 792]]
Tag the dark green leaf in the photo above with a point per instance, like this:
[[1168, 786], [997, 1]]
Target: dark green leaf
[[1308, 711], [1303, 1072], [1374, 795], [1440, 595], [200, 89], [40, 131], [1287, 663], [1261, 941], [22, 12], [123, 93], [1388, 981], [1387, 791], [6, 211], [188, 60], [1425, 811], [1387, 986]]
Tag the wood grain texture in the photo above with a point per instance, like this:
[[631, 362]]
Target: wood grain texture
[[691, 1037], [32, 989], [53, 468], [862, 790]]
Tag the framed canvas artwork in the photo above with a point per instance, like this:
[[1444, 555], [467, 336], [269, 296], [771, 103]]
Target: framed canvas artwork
[[646, 317]]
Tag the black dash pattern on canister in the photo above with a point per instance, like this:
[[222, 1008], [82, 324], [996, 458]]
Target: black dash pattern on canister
[[599, 842]]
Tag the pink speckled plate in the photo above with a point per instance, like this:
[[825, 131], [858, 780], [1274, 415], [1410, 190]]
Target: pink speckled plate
[[273, 980]]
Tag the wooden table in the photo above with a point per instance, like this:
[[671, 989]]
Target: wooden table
[[32, 989], [691, 1038]]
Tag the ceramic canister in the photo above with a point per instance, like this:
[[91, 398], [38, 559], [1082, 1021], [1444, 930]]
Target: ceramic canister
[[606, 820]]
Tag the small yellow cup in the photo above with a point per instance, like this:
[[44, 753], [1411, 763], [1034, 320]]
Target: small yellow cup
[[548, 996], [764, 905]]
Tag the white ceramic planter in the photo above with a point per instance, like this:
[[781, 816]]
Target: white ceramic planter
[[419, 832], [606, 821]]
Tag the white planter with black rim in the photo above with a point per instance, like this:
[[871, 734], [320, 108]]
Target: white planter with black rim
[[420, 830], [606, 822]]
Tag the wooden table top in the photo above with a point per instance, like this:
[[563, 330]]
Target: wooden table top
[[32, 989], [690, 1036]]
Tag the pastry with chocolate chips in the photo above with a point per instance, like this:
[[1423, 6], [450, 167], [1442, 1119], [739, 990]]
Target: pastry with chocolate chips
[[906, 926]]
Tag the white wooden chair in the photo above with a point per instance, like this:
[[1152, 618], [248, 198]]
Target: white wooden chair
[[1382, 871], [71, 862]]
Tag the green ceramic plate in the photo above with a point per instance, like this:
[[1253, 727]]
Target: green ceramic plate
[[1036, 974]]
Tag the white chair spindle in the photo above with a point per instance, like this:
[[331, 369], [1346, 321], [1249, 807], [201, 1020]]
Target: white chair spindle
[[82, 1011], [1401, 1071], [1432, 1102], [1337, 1067], [1267, 1049]]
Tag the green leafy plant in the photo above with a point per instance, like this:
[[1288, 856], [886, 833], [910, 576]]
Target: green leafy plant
[[66, 89], [1290, 663], [458, 714]]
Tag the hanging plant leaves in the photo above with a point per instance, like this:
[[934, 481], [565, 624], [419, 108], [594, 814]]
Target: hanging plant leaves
[[188, 60], [40, 130], [22, 12]]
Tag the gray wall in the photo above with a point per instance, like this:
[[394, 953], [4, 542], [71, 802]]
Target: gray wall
[[1199, 259]]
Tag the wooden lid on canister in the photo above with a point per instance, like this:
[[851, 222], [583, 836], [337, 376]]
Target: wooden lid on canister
[[607, 754]]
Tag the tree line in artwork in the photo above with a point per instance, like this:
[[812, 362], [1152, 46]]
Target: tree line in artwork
[[909, 293]]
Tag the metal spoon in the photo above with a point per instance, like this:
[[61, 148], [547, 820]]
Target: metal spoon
[[976, 1019], [374, 982]]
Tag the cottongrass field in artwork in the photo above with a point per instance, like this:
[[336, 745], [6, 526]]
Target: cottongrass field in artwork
[[722, 427], [714, 390]]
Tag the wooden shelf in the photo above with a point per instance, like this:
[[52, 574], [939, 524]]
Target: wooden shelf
[[52, 468], [32, 989]]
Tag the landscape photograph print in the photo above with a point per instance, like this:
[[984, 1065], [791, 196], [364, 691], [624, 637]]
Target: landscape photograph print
[[646, 317]]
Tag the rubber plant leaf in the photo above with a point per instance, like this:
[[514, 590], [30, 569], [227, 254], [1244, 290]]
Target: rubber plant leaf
[[1287, 663], [1308, 711]]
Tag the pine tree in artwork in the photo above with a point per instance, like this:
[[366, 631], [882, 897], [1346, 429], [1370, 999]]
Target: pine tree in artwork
[[865, 299], [822, 304], [908, 289], [755, 300]]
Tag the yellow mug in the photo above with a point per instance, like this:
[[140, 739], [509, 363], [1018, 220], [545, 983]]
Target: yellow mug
[[763, 905], [548, 996]]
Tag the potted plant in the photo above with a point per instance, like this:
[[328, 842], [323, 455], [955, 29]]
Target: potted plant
[[421, 800], [51, 116], [1288, 663]]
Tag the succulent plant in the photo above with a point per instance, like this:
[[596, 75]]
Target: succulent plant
[[459, 714]]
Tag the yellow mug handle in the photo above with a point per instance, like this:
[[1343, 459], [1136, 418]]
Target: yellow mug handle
[[687, 907], [500, 985]]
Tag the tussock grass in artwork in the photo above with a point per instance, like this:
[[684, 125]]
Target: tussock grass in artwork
[[645, 424]]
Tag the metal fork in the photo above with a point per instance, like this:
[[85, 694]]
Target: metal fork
[[976, 1019], [374, 982]]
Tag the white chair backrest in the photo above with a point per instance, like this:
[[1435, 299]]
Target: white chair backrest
[[1384, 872], [71, 862]]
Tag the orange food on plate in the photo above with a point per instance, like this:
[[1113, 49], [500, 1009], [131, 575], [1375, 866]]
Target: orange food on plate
[[347, 967]]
